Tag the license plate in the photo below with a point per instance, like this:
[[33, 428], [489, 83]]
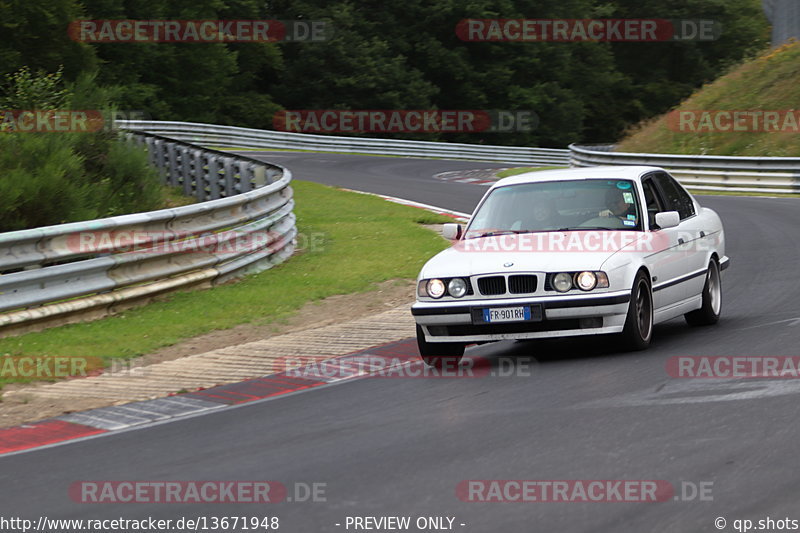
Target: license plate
[[507, 314]]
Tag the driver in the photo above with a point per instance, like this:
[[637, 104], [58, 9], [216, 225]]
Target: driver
[[617, 206], [542, 213]]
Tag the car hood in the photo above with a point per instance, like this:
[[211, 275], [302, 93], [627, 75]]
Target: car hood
[[532, 252]]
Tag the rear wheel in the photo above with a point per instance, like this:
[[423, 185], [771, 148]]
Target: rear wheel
[[639, 323], [709, 313], [439, 354]]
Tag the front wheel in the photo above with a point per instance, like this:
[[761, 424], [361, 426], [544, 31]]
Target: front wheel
[[709, 313], [439, 354], [639, 323]]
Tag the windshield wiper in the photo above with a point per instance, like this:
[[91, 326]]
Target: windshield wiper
[[493, 233], [500, 232]]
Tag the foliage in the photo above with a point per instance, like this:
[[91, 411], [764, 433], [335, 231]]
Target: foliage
[[391, 56], [56, 177], [24, 90]]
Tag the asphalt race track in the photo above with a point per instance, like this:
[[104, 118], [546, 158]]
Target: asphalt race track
[[393, 176], [570, 410]]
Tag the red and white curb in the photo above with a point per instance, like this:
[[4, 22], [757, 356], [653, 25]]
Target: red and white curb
[[461, 217], [105, 420]]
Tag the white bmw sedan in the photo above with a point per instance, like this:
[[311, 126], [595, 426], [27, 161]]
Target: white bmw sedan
[[588, 251]]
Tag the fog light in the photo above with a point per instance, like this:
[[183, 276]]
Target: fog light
[[437, 331], [591, 322]]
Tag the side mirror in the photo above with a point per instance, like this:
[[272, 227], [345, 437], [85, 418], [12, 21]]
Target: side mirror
[[452, 232], [667, 219]]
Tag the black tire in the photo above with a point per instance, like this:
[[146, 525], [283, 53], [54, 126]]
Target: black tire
[[439, 354], [638, 329], [709, 313]]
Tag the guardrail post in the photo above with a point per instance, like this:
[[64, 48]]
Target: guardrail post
[[245, 177], [149, 143], [259, 176], [229, 166], [198, 175], [186, 170], [173, 171], [158, 148], [213, 177]]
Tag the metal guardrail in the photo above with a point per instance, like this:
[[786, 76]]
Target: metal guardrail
[[231, 136], [243, 224], [707, 172], [203, 173], [744, 174]]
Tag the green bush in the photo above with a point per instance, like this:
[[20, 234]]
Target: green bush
[[42, 182], [56, 178], [53, 178], [24, 90], [124, 182]]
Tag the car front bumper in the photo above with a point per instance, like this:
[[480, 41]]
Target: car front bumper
[[562, 316]]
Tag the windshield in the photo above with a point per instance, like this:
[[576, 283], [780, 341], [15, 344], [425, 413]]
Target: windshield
[[558, 206]]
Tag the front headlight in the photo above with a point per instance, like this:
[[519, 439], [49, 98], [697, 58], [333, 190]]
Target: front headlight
[[436, 288], [586, 281], [457, 287], [562, 282]]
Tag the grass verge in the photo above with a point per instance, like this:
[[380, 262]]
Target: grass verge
[[358, 240], [771, 82]]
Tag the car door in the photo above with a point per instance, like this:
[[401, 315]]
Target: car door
[[692, 235], [667, 262]]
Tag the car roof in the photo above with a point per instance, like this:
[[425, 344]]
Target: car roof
[[598, 173]]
